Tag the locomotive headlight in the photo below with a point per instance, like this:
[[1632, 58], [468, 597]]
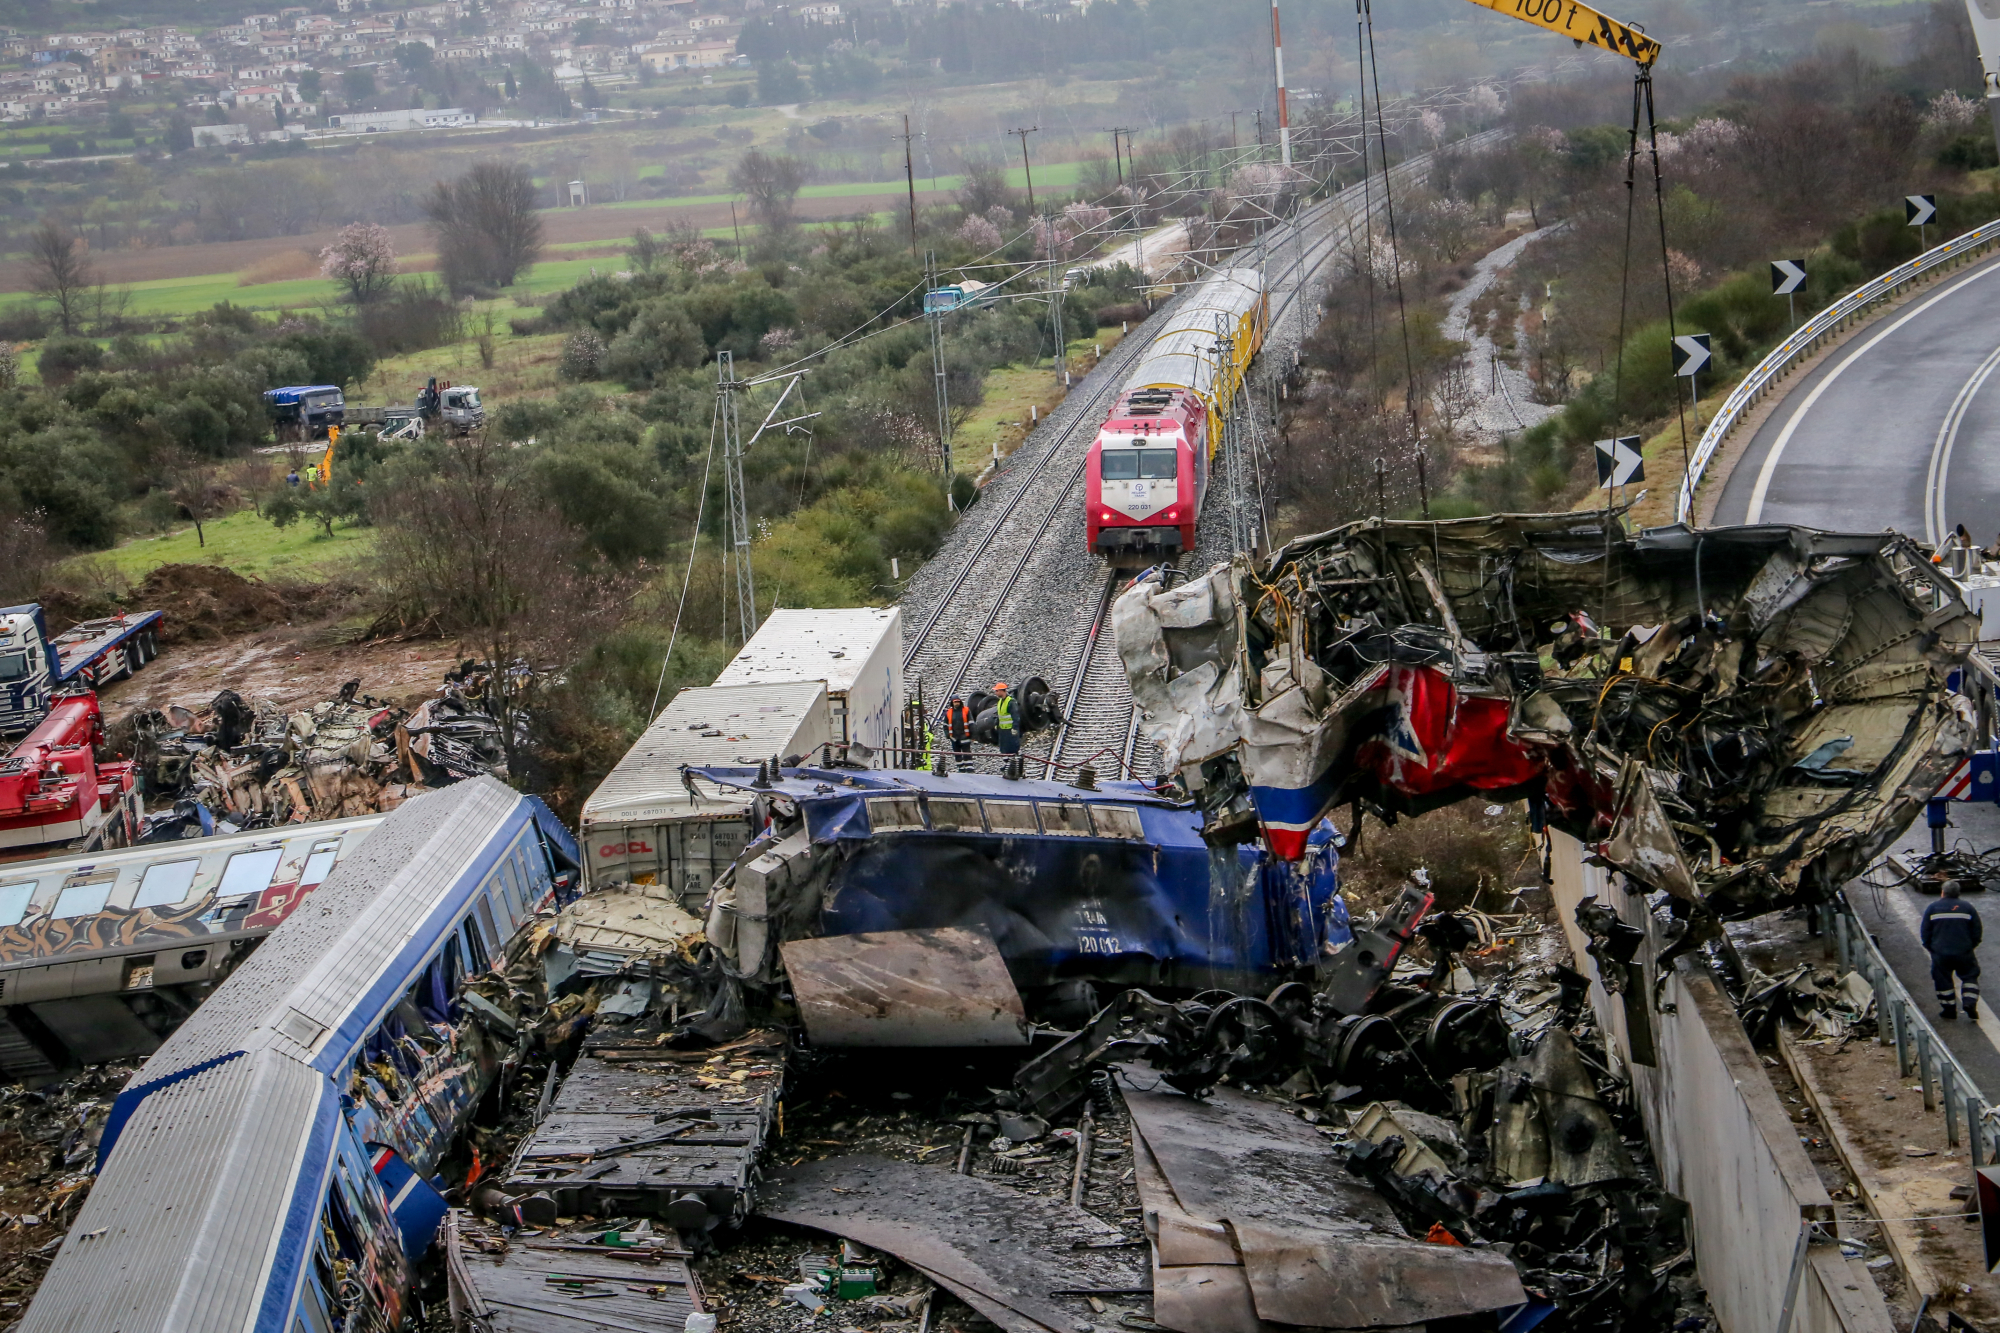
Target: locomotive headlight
[[1107, 516]]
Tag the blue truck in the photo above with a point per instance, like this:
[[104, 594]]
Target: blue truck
[[305, 411], [35, 666]]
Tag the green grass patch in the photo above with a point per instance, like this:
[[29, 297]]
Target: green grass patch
[[245, 543]]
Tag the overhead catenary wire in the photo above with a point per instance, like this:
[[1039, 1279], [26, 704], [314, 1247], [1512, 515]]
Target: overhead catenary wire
[[694, 542], [1396, 263]]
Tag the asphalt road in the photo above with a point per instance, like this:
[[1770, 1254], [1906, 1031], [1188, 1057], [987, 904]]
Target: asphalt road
[[1898, 428]]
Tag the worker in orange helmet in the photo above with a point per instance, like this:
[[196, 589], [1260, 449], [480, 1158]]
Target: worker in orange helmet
[[1006, 722]]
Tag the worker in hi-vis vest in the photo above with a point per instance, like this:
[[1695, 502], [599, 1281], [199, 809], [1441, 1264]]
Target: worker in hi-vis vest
[[1007, 723], [958, 726]]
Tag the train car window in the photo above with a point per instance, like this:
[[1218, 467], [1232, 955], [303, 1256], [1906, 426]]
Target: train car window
[[249, 872], [1117, 821], [319, 864], [1010, 817], [14, 901], [1158, 464], [951, 814], [517, 890], [894, 812], [475, 948], [1119, 464], [85, 899], [164, 884], [1061, 817]]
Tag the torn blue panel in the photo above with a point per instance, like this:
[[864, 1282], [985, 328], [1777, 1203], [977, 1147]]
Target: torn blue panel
[[414, 1202], [1114, 883]]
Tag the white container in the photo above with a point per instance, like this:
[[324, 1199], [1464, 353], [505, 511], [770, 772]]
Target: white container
[[857, 651], [643, 826]]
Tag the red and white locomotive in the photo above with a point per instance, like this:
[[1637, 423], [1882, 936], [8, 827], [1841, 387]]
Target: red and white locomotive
[[1148, 469]]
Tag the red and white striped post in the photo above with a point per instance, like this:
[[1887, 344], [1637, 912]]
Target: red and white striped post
[[1284, 113]]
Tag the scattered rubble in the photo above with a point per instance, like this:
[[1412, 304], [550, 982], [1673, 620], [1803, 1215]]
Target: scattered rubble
[[238, 764]]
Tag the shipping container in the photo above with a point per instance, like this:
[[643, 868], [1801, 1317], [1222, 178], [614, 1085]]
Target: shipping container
[[857, 651], [644, 825]]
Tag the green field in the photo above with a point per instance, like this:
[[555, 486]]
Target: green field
[[245, 543]]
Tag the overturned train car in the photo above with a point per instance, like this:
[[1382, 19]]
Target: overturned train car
[[268, 1167], [1047, 891], [1741, 717]]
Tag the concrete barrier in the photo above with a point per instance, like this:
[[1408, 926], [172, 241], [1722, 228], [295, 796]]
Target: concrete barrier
[[1722, 1140]]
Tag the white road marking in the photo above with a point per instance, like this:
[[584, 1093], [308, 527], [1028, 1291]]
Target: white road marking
[[1770, 467], [1947, 438]]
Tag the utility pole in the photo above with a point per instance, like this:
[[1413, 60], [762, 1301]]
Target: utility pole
[[1284, 115], [726, 386], [1232, 129], [1260, 126], [1029, 170], [934, 315], [1057, 294], [909, 174], [1116, 160]]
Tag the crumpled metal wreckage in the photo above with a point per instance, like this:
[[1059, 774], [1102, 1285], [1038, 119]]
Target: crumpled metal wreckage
[[1739, 717], [238, 764]]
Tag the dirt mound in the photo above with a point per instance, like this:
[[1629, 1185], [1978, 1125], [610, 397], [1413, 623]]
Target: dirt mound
[[202, 603]]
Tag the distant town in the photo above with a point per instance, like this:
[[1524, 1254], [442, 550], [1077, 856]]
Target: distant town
[[297, 71]]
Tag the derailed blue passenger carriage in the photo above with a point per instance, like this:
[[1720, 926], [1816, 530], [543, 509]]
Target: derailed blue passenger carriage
[[1112, 883], [266, 1168]]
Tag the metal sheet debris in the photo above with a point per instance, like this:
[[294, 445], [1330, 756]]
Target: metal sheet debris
[[1316, 1246], [1741, 717], [1016, 1250], [945, 987]]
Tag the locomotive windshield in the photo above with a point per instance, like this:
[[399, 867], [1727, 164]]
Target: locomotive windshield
[[1137, 464]]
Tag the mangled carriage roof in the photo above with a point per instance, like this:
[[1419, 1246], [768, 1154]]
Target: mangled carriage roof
[[1734, 714]]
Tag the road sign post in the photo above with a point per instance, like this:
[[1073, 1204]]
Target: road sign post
[[1787, 276], [1919, 209], [1691, 355], [1619, 462]]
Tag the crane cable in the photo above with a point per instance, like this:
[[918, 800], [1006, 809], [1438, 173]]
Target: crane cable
[[1396, 262], [1642, 100]]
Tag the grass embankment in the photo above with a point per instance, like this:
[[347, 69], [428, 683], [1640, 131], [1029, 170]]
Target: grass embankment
[[240, 541], [1003, 420]]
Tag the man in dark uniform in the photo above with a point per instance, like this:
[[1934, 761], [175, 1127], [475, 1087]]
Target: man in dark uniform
[[1950, 934]]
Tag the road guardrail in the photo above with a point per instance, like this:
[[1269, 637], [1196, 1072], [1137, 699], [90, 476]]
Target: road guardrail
[[1810, 336]]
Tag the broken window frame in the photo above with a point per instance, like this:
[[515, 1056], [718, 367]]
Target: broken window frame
[[1058, 821], [947, 824], [906, 811], [1131, 827], [1008, 827]]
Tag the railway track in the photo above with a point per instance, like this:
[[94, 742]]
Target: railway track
[[1024, 590]]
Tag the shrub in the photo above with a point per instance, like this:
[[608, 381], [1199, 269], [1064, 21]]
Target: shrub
[[583, 356], [63, 359]]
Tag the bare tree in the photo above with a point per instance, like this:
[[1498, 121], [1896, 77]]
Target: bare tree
[[470, 545], [60, 269], [486, 225], [189, 481], [770, 182]]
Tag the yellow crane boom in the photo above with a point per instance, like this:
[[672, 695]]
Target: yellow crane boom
[[1581, 23]]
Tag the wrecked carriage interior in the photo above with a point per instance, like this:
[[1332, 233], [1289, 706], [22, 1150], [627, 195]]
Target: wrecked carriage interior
[[1742, 717], [1038, 1057]]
